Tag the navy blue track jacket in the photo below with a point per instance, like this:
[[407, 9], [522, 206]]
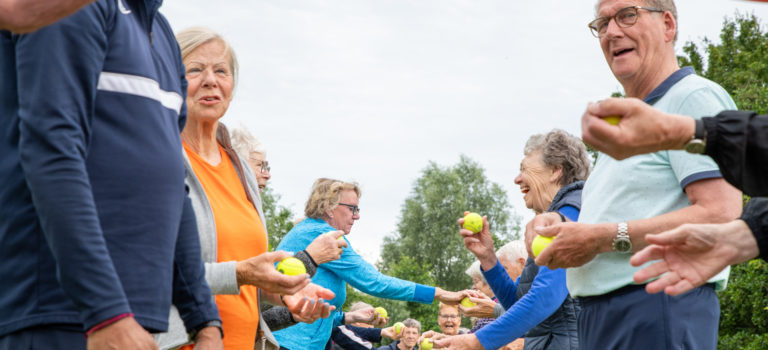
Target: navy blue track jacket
[[94, 217]]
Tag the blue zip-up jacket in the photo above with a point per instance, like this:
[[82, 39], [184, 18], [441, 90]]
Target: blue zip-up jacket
[[537, 304], [94, 217], [335, 275]]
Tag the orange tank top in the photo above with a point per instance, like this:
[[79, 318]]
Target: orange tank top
[[239, 235]]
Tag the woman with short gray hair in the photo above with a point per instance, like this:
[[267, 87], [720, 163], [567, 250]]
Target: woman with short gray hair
[[537, 305]]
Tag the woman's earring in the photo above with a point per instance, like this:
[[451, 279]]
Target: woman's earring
[[331, 214]]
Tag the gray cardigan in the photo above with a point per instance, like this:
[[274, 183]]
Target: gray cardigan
[[221, 276]]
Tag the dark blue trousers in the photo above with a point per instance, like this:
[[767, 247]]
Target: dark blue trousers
[[45, 338], [630, 318]]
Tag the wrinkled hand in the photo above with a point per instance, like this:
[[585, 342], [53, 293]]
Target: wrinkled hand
[[480, 244], [327, 247], [126, 333], [692, 254], [309, 303], [365, 315], [389, 332], [447, 297], [430, 335], [457, 342], [541, 220], [209, 338], [642, 128], [260, 271], [576, 244], [484, 307]]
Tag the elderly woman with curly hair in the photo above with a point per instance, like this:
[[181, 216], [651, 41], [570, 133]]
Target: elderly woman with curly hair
[[333, 205], [537, 305]]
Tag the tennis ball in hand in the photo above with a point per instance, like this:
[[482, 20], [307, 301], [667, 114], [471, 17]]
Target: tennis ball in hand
[[398, 327], [381, 311], [612, 119], [473, 222], [539, 243], [426, 344], [467, 303], [291, 266]]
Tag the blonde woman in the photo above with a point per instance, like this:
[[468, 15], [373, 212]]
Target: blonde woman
[[334, 205]]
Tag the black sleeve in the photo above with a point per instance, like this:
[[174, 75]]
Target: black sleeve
[[737, 141], [756, 216], [355, 338], [309, 263], [277, 318]]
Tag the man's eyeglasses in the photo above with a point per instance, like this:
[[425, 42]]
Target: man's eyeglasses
[[625, 18], [445, 317], [355, 209]]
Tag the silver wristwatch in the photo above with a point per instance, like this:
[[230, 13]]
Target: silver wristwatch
[[621, 243], [698, 142]]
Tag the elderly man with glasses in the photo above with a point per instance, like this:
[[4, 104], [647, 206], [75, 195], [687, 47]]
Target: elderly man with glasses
[[623, 201], [255, 154]]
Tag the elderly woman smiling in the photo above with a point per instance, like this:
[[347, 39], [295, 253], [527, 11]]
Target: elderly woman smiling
[[551, 177], [333, 204], [230, 221]]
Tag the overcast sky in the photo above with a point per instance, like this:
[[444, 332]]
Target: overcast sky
[[371, 91]]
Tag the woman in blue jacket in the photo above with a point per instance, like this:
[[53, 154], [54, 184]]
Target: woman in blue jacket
[[537, 305], [333, 205]]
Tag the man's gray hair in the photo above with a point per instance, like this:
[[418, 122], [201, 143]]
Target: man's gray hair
[[513, 250], [244, 143], [474, 271], [411, 323], [560, 149], [359, 305]]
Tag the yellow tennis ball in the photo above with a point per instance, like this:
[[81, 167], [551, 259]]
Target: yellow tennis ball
[[467, 303], [539, 243], [291, 266], [398, 327], [381, 311], [426, 344], [612, 119], [473, 222]]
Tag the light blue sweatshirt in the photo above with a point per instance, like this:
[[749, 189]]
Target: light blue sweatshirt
[[335, 275]]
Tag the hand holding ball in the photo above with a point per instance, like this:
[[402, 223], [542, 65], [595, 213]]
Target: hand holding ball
[[473, 222], [381, 311], [426, 344], [539, 243], [467, 303], [398, 327], [291, 266]]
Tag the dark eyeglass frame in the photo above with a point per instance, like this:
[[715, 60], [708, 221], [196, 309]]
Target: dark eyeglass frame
[[445, 317], [264, 167], [355, 209], [602, 22]]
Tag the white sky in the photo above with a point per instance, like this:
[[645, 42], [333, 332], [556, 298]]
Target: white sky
[[372, 90]]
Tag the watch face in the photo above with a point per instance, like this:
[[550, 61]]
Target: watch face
[[622, 245], [695, 146]]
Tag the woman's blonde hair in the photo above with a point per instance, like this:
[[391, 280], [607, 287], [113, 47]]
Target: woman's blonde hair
[[325, 196], [191, 38]]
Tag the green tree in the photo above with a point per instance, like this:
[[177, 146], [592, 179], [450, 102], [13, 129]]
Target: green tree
[[279, 217], [740, 64], [427, 247]]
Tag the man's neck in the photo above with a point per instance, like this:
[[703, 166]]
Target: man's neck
[[402, 346], [641, 86]]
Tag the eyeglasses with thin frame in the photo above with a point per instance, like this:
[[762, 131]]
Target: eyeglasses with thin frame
[[264, 167], [624, 18], [355, 209], [445, 317]]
